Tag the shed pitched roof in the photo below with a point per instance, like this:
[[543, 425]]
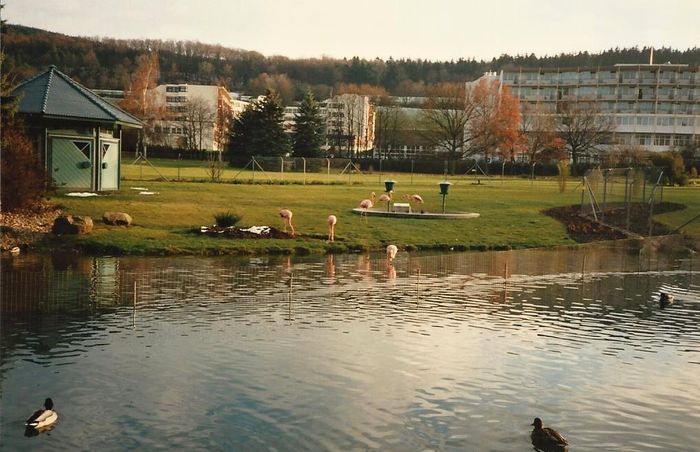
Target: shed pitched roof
[[53, 94]]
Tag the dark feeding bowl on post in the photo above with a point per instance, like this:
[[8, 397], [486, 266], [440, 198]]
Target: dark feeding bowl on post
[[444, 188], [389, 185]]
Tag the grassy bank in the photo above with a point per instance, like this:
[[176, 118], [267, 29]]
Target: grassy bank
[[510, 212]]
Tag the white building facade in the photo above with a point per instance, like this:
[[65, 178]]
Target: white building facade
[[213, 106], [653, 106]]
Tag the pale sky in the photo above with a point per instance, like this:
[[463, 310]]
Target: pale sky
[[427, 29]]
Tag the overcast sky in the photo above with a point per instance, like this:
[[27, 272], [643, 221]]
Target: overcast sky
[[428, 29]]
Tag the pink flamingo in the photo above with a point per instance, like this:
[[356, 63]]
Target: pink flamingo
[[286, 215], [332, 220], [414, 198], [367, 204], [385, 197], [391, 251]]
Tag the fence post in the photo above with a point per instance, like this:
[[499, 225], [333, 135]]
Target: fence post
[[328, 166], [380, 169], [628, 197], [282, 167], [606, 174], [304, 160], [411, 171]]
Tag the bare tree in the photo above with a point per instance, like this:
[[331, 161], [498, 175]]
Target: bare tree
[[390, 120], [198, 123], [465, 121], [538, 128], [583, 129]]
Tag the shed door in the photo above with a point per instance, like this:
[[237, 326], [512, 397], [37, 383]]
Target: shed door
[[71, 162], [109, 166]]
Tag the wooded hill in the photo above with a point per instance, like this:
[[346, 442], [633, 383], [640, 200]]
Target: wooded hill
[[108, 63]]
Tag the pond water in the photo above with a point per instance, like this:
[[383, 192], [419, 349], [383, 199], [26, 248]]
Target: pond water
[[455, 351]]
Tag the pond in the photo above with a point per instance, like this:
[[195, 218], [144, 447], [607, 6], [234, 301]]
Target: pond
[[454, 351]]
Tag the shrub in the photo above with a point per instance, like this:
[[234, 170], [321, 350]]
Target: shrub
[[24, 179], [226, 219]]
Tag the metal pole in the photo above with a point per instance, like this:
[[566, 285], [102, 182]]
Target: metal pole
[[328, 169], [254, 162], [282, 167], [411, 171], [304, 160], [380, 169], [443, 203]]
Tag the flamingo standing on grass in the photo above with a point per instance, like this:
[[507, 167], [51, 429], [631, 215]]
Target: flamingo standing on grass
[[415, 197], [331, 220], [391, 251], [286, 215], [367, 204], [385, 197]]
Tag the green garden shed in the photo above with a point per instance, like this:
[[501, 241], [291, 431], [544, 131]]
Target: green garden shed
[[77, 133]]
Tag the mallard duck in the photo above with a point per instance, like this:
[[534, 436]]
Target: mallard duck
[[546, 438], [43, 418], [665, 299]]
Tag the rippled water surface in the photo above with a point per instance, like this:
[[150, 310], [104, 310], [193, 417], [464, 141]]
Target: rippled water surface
[[439, 352]]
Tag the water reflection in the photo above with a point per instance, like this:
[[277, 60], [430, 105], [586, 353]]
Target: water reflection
[[437, 351]]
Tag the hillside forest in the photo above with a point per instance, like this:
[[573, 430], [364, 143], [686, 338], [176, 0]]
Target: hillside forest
[[105, 63]]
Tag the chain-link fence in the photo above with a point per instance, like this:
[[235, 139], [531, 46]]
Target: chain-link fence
[[623, 197]]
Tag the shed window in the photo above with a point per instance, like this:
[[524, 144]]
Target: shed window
[[84, 147]]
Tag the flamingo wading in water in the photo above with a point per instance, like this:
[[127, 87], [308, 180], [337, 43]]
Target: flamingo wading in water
[[331, 220], [391, 251], [286, 215]]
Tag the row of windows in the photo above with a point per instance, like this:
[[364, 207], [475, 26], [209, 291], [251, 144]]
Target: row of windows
[[176, 89], [176, 98], [592, 92], [683, 121], [604, 77], [628, 107], [176, 109], [169, 130], [653, 140]]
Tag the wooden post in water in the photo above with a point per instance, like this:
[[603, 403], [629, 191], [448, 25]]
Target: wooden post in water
[[133, 320], [583, 266]]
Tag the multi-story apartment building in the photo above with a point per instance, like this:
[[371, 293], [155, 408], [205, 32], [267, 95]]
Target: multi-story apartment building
[[655, 106], [349, 120], [197, 116]]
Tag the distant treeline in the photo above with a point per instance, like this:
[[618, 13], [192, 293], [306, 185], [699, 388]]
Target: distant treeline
[[108, 63]]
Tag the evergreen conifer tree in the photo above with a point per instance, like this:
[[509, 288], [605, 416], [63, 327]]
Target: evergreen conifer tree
[[309, 129], [258, 130]]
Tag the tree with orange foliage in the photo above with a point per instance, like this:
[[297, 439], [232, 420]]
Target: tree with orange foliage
[[541, 140], [140, 96], [463, 121]]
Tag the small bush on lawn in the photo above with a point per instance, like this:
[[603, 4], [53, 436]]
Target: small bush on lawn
[[226, 219]]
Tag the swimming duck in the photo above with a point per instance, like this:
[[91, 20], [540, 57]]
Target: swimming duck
[[546, 438], [43, 418], [665, 299]]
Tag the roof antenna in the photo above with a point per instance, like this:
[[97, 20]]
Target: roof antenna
[[651, 56]]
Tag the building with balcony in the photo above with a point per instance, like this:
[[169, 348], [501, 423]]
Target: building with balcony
[[197, 116], [654, 106]]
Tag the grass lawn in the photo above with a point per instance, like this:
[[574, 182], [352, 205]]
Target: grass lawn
[[510, 212]]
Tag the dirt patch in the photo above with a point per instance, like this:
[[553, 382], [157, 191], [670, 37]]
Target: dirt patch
[[240, 233], [23, 228], [586, 229]]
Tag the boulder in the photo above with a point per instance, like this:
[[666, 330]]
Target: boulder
[[117, 218], [68, 224]]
